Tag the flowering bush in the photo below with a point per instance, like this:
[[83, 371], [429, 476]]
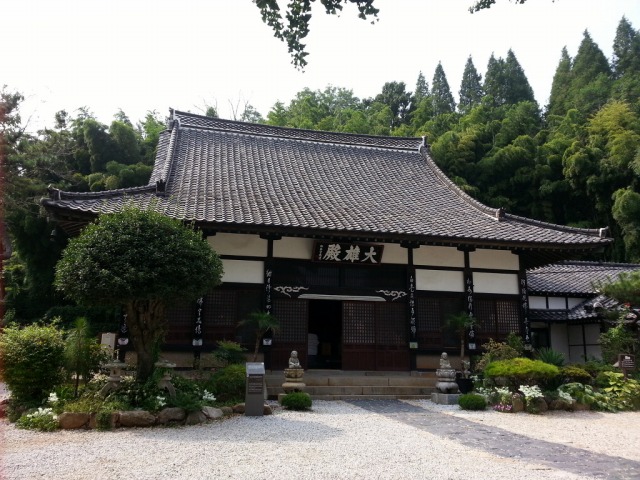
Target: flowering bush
[[42, 419]]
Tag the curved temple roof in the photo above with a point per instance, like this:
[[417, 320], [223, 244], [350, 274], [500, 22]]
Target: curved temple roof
[[248, 177]]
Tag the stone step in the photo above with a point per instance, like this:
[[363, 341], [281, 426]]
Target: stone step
[[371, 397]]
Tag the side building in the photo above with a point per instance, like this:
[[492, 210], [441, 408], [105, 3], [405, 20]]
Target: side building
[[360, 240]]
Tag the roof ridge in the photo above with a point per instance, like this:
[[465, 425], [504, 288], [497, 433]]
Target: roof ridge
[[594, 232], [57, 194], [410, 143]]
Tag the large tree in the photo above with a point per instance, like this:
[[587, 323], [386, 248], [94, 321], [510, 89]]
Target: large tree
[[441, 97], [470, 87], [144, 261]]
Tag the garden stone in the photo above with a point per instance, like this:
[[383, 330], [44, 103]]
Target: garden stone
[[4, 406], [172, 414], [267, 410], [73, 420], [136, 418], [238, 408], [580, 406], [195, 418], [517, 403], [113, 420], [559, 404], [211, 412], [540, 404], [227, 410]]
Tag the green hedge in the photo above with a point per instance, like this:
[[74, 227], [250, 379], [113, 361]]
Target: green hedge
[[522, 371]]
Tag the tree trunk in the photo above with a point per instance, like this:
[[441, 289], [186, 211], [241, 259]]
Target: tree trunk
[[146, 322]]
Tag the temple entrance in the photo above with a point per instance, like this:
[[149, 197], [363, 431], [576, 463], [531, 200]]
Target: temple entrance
[[325, 322]]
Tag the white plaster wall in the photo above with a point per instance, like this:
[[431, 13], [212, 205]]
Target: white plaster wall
[[438, 256], [538, 302], [574, 301], [505, 283], [243, 271], [556, 303], [394, 253], [439, 281], [497, 259], [559, 339], [238, 244], [292, 247]]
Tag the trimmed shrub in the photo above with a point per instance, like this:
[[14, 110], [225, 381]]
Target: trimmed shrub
[[574, 373], [296, 401], [472, 401], [522, 371], [229, 383], [229, 353], [33, 357], [494, 351]]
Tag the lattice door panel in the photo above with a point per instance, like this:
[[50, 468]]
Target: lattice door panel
[[359, 336], [293, 316]]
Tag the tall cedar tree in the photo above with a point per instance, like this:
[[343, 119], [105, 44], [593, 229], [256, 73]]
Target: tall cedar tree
[[591, 78], [441, 97], [560, 86], [494, 81], [626, 49], [470, 87], [517, 87], [422, 89]]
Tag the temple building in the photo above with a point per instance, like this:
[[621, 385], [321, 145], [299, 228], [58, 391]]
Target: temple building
[[358, 240]]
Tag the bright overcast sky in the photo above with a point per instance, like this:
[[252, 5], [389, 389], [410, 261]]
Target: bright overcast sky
[[141, 55]]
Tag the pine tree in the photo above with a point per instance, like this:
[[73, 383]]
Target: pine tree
[[494, 80], [470, 87], [517, 87], [591, 78], [422, 89], [560, 86], [626, 49], [441, 97]]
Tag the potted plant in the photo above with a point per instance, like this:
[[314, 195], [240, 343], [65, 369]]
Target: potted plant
[[460, 323]]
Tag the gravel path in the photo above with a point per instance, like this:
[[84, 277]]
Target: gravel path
[[337, 440]]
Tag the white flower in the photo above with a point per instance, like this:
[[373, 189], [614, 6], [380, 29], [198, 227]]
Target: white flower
[[161, 401], [530, 392], [53, 398], [208, 396]]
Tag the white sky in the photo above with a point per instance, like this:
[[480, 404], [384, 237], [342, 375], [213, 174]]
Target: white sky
[[142, 55]]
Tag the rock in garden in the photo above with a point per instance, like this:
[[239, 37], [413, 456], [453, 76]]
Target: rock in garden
[[239, 408], [540, 404], [211, 412], [227, 410], [172, 414], [195, 418], [136, 418], [267, 410], [73, 420], [517, 403]]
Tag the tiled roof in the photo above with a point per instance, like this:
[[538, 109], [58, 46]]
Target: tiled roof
[[588, 311], [574, 278], [226, 174]]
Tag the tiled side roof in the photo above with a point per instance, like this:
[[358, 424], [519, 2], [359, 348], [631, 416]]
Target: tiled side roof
[[226, 173], [574, 278], [588, 311]]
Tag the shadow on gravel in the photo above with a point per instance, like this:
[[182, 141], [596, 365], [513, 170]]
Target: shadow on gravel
[[503, 443]]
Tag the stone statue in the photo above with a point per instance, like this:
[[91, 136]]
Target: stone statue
[[446, 376], [293, 376], [444, 361], [293, 360]]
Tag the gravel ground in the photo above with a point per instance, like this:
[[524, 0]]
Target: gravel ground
[[336, 440]]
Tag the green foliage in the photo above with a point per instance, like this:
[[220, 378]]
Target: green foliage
[[83, 353], [618, 339], [622, 394], [298, 15], [575, 373], [141, 259], [522, 371], [42, 419], [550, 356], [260, 323], [227, 353], [586, 395], [32, 359], [494, 351], [296, 401], [472, 401], [229, 383]]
